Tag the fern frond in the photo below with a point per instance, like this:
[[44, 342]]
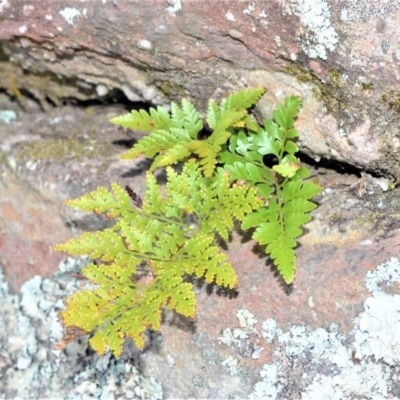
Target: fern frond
[[232, 113], [143, 121], [187, 118], [243, 99], [103, 201], [160, 240], [104, 244], [205, 259], [286, 114], [169, 134], [159, 141], [174, 137]]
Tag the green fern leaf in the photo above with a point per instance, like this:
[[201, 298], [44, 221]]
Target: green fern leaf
[[169, 135], [180, 294], [285, 114], [155, 244], [208, 261], [172, 156], [188, 118], [286, 170], [103, 244], [231, 113], [98, 201], [243, 99], [143, 121], [296, 189], [103, 201]]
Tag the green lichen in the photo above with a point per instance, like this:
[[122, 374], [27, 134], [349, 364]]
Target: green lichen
[[391, 100], [59, 149], [369, 218], [367, 85], [331, 93], [334, 218], [3, 157], [170, 90]]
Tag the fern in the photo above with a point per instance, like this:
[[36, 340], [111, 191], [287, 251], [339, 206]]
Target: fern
[[287, 196], [156, 236], [173, 138], [146, 257]]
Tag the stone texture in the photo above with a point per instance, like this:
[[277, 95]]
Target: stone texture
[[355, 228], [342, 58], [46, 159]]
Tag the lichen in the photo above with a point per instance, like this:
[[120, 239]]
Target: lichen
[[59, 149], [331, 94], [392, 100], [319, 35], [325, 364], [367, 85], [3, 157], [362, 11]]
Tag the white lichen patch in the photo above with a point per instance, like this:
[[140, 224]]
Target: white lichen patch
[[31, 369], [3, 5], [315, 16], [229, 16], [7, 116], [246, 319], [175, 6], [357, 11], [379, 329], [249, 9], [324, 364], [232, 364], [243, 340], [386, 273], [69, 14]]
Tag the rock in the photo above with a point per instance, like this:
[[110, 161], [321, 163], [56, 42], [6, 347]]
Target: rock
[[61, 155], [26, 343], [353, 230], [94, 50], [341, 58]]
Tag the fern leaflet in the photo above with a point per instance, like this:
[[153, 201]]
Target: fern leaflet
[[156, 237], [156, 243], [287, 196]]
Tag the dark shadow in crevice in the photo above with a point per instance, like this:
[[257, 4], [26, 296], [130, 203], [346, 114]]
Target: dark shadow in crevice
[[140, 168], [125, 143], [340, 167]]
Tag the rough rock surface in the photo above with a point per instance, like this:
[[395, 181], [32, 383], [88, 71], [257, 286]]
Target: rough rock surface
[[341, 57], [31, 369], [355, 228], [46, 159]]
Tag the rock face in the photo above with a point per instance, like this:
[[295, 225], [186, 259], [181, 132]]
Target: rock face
[[355, 228], [342, 58]]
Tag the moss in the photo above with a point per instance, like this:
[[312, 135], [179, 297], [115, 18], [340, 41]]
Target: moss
[[334, 218], [170, 90], [59, 149], [367, 86], [3, 157], [391, 100], [331, 94], [369, 218]]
